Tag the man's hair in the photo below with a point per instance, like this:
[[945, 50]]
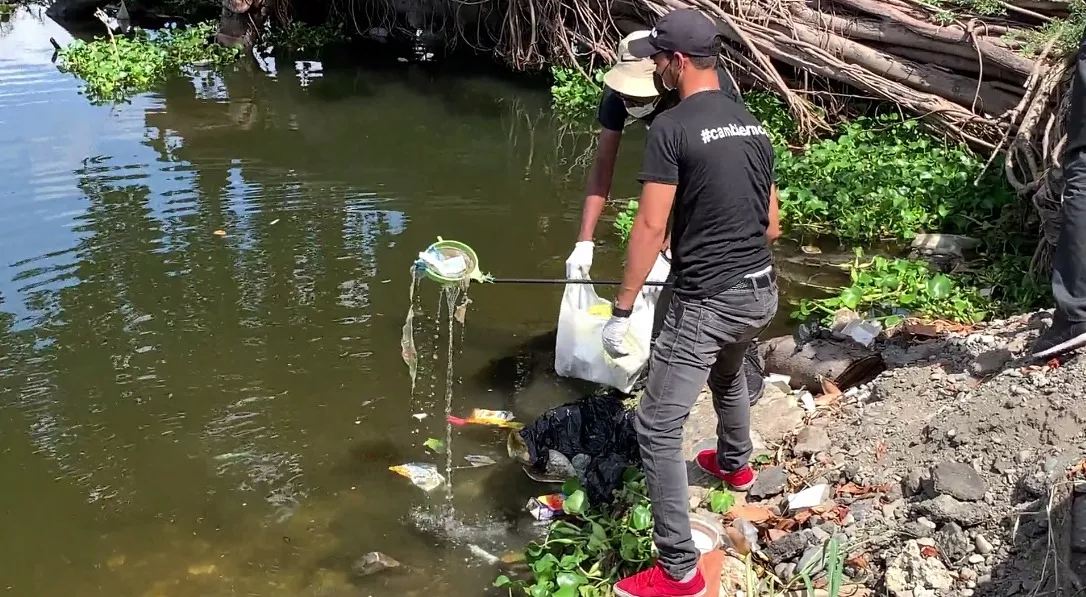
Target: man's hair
[[703, 62]]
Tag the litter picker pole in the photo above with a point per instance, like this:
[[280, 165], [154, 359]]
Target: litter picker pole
[[563, 281]]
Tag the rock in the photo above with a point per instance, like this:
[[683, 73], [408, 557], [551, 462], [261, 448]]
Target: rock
[[811, 440], [976, 559], [982, 545], [917, 530], [788, 546], [947, 509], [1078, 524], [812, 561], [990, 362], [785, 571], [1033, 486], [372, 563], [958, 480], [1002, 466], [914, 481], [698, 495], [770, 482], [953, 542], [910, 574], [864, 509]]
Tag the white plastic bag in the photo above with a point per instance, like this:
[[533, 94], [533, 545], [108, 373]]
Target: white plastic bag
[[579, 347]]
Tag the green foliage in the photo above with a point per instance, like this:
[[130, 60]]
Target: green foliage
[[721, 500], [881, 286], [881, 178], [624, 221], [773, 114], [1067, 32], [6, 10], [303, 37], [115, 70], [586, 554], [573, 95]]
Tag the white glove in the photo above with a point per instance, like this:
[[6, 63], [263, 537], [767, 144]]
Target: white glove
[[614, 336], [580, 260]]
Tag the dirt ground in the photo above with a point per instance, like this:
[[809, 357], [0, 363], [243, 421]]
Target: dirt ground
[[952, 473]]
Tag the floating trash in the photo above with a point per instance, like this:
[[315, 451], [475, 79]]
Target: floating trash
[[477, 460], [494, 418], [546, 507], [423, 475]]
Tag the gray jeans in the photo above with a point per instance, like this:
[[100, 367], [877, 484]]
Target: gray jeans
[[1069, 260], [702, 340]]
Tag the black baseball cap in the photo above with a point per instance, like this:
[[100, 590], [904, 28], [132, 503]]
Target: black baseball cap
[[686, 31]]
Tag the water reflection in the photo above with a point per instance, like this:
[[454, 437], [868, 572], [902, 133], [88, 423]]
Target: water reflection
[[193, 413]]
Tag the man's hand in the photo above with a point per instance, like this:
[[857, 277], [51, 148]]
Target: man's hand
[[580, 260], [614, 336]]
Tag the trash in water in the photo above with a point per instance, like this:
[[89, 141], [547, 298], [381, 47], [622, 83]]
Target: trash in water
[[546, 507], [435, 444], [220, 233], [483, 554], [420, 416], [446, 266], [599, 427], [461, 313], [556, 469], [478, 460], [495, 418], [423, 475], [811, 250]]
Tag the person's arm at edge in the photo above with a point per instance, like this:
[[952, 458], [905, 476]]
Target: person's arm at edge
[[599, 182], [646, 238], [773, 232]]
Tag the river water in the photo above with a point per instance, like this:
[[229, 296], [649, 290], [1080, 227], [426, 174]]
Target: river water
[[187, 413]]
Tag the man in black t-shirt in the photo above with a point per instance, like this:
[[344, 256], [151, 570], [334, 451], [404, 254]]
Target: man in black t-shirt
[[709, 165], [631, 92]]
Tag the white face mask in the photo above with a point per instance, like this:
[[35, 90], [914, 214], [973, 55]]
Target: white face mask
[[641, 111]]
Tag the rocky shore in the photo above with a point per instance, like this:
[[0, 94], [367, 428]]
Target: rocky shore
[[959, 470]]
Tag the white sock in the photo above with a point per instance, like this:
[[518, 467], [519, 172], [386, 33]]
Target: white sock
[[689, 576]]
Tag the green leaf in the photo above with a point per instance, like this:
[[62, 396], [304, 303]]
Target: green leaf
[[571, 579], [435, 444], [566, 592], [720, 501], [576, 503], [540, 589], [571, 485], [852, 296], [939, 287], [641, 517], [502, 581]]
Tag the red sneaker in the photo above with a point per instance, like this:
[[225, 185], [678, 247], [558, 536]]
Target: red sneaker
[[654, 582], [740, 480]]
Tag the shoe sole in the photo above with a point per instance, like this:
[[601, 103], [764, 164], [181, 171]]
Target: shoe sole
[[743, 487], [620, 593], [1077, 342]]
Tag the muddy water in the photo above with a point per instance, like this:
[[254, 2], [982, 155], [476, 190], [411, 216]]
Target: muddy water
[[187, 413]]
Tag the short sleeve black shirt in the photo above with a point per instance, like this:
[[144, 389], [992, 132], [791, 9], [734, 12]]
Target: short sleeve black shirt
[[721, 160], [612, 112]]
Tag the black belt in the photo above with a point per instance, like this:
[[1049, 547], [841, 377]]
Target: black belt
[[756, 282]]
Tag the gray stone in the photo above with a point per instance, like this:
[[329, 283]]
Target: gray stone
[[1002, 466], [914, 481], [947, 509], [785, 571], [1078, 524], [1033, 486], [770, 482], [953, 542], [917, 530], [812, 440], [982, 545], [990, 362], [698, 495], [788, 546], [945, 244], [976, 559], [372, 563], [812, 561], [958, 480], [864, 509]]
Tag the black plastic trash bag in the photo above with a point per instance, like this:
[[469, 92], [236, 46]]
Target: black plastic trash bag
[[600, 428]]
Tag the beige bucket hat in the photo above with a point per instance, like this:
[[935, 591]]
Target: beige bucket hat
[[632, 76]]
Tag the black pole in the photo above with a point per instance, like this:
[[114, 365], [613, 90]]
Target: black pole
[[564, 281]]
